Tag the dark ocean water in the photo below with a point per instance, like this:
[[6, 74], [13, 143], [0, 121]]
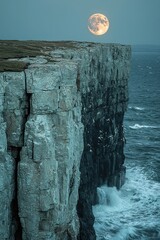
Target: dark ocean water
[[134, 211]]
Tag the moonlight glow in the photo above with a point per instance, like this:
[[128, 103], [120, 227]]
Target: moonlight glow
[[98, 24]]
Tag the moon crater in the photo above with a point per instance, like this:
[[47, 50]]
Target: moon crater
[[98, 24]]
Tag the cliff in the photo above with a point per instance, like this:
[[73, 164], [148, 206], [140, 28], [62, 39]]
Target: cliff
[[61, 135]]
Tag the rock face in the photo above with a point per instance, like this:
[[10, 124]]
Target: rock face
[[61, 135]]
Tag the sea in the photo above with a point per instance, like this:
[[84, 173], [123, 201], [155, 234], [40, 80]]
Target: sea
[[133, 212]]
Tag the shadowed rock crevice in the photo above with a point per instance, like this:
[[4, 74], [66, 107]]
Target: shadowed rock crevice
[[15, 153]]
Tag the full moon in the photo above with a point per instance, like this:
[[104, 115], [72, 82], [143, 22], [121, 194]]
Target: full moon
[[98, 24]]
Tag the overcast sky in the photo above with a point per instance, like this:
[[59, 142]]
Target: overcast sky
[[131, 21]]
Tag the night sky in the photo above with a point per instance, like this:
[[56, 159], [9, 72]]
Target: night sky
[[131, 21]]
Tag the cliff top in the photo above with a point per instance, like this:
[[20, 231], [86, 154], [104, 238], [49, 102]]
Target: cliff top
[[12, 50], [20, 49]]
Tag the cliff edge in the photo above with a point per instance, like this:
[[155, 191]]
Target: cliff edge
[[61, 135]]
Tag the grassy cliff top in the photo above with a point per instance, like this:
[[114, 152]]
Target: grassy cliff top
[[20, 49]]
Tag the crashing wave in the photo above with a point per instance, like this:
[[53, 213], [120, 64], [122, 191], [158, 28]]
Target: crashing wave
[[132, 213]]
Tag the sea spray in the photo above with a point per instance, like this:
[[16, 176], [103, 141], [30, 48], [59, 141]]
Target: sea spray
[[108, 196], [130, 212]]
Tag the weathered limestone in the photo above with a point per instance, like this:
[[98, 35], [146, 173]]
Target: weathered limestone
[[50, 158], [61, 135], [12, 116]]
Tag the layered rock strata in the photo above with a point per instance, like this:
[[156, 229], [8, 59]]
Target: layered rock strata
[[61, 135]]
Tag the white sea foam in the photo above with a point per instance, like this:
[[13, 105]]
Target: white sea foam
[[126, 234], [131, 213], [138, 126], [136, 108], [108, 196]]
